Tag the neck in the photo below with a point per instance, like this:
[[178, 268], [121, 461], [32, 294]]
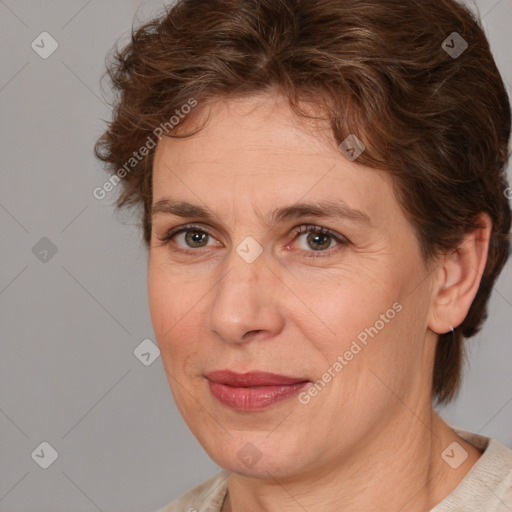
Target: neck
[[396, 469]]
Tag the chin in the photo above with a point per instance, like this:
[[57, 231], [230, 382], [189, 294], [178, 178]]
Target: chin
[[255, 456]]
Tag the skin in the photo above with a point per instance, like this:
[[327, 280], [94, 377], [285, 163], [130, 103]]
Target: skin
[[370, 439]]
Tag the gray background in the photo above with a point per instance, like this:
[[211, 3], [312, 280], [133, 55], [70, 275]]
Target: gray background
[[69, 325]]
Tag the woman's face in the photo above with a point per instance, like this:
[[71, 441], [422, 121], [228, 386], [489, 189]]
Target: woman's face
[[347, 309]]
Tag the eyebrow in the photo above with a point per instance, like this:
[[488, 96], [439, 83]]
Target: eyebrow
[[324, 209]]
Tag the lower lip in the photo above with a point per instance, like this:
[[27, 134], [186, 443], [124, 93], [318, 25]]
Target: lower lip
[[253, 398]]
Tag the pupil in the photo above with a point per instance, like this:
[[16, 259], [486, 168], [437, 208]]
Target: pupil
[[316, 237], [195, 237]]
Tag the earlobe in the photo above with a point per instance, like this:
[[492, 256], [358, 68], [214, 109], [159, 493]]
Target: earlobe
[[462, 271]]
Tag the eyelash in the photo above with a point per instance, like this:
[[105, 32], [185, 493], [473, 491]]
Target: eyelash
[[307, 228]]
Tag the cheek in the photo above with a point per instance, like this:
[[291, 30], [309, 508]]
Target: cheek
[[167, 305], [177, 310], [175, 320], [348, 306], [160, 302], [381, 345]]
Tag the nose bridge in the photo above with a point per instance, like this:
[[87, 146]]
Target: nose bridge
[[242, 297], [239, 289]]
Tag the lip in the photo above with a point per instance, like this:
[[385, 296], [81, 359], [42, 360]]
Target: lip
[[252, 390], [254, 378]]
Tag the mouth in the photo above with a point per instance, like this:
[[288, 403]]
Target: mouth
[[252, 390]]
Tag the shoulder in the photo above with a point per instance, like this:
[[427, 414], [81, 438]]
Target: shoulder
[[488, 485], [207, 496], [496, 475]]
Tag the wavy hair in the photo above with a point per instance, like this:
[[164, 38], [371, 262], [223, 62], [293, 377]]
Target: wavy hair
[[392, 72]]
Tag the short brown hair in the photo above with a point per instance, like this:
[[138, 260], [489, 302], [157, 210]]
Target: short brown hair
[[439, 122]]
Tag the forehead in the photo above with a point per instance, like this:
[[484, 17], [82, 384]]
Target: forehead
[[245, 129], [257, 150]]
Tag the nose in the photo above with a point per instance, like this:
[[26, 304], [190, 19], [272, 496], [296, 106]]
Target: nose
[[246, 304]]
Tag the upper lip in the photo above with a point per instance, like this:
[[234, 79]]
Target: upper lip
[[254, 378]]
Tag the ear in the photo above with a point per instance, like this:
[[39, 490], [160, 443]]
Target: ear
[[460, 275]]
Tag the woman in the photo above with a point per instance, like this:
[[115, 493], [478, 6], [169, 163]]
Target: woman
[[324, 204]]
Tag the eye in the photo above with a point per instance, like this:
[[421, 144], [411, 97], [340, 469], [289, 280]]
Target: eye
[[320, 240], [192, 236]]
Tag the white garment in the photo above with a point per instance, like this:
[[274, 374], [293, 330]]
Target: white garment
[[486, 488]]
